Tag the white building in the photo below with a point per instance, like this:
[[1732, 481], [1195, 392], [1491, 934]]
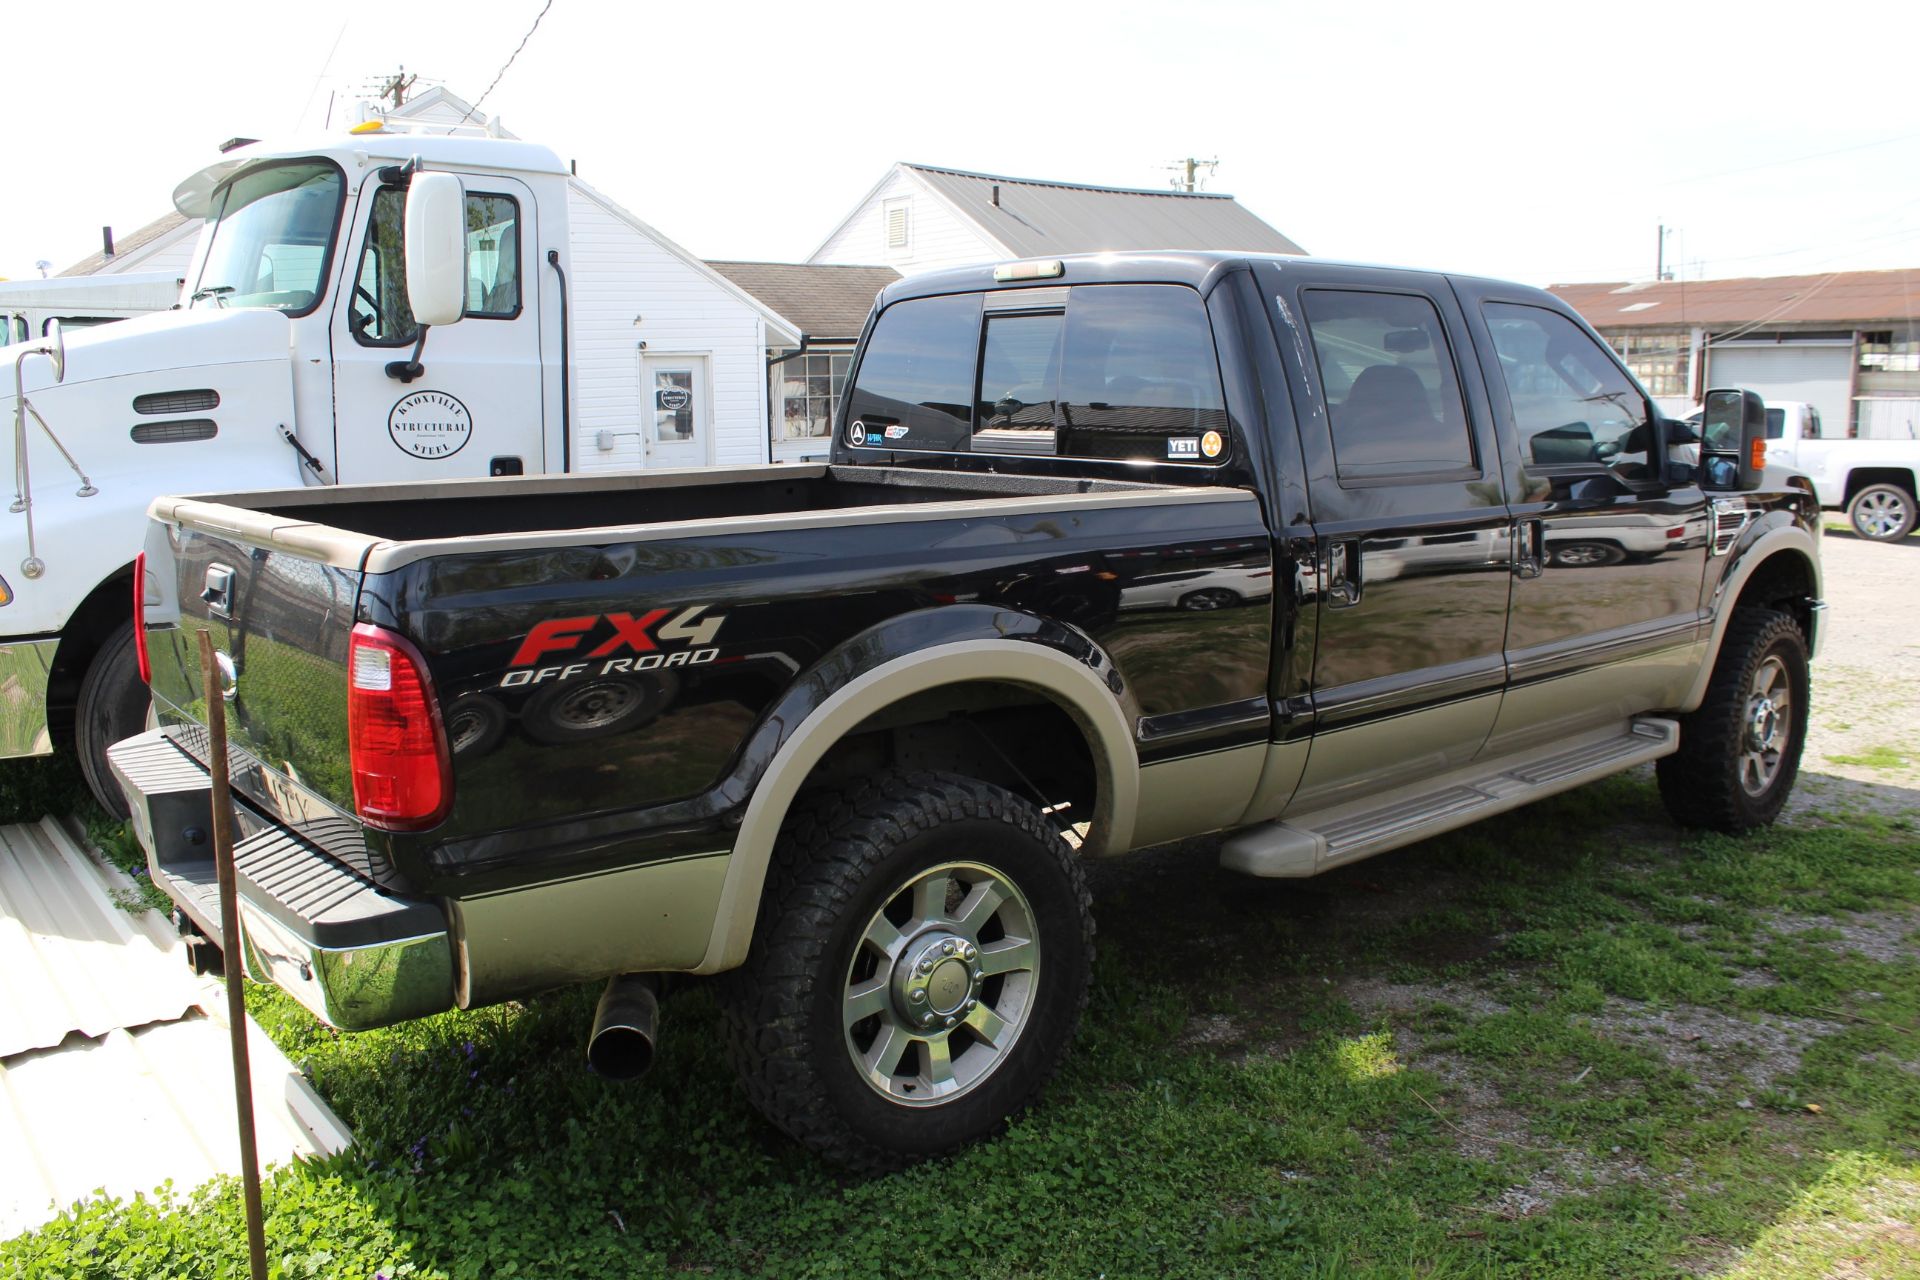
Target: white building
[[923, 218]]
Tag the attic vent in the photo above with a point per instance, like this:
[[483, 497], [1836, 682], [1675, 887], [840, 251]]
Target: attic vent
[[161, 402], [179, 432], [897, 229]]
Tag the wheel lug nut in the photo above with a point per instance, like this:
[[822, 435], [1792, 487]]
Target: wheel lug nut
[[951, 1020], [926, 1020], [972, 1003], [946, 948], [918, 995], [978, 973], [926, 966]]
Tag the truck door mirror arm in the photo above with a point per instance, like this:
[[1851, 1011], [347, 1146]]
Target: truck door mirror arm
[[410, 368]]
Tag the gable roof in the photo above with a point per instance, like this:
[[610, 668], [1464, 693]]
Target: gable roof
[[124, 245], [1031, 217], [1839, 298], [822, 302]]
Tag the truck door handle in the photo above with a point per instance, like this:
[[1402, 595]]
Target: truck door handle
[[1529, 548], [1343, 574]]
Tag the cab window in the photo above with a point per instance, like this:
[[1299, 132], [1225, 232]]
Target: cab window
[[378, 313], [1115, 371], [1393, 399], [1572, 404]]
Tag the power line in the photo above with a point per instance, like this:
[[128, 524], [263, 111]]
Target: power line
[[509, 62], [1774, 164]]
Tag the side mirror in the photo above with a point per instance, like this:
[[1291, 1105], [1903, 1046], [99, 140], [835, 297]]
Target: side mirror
[[1733, 440], [436, 248], [57, 350]]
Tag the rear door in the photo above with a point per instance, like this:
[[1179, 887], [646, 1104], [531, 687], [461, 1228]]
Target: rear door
[[1606, 603], [476, 409], [1411, 525]]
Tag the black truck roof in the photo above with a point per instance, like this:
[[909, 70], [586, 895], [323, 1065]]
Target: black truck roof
[[1198, 268]]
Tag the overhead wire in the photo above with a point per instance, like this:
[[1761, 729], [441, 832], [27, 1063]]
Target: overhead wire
[[509, 62]]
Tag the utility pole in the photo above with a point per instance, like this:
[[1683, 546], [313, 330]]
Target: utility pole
[[396, 87], [1185, 168], [1660, 271]]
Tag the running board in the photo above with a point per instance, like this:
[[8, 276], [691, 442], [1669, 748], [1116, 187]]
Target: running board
[[1306, 844]]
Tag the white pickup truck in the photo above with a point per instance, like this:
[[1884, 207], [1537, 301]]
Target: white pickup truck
[[1873, 481]]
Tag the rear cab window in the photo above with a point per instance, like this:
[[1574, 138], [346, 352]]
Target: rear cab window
[[1124, 372]]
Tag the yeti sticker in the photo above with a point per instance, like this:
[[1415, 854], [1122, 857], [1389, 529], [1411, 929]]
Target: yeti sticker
[[430, 425]]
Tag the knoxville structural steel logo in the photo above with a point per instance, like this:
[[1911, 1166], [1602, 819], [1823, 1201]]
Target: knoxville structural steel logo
[[430, 424]]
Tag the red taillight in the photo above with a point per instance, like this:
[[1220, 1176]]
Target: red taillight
[[402, 773], [140, 618]]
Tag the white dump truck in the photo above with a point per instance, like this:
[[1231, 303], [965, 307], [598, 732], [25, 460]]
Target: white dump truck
[[304, 351]]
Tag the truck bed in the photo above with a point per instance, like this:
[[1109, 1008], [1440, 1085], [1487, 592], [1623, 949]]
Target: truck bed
[[342, 526]]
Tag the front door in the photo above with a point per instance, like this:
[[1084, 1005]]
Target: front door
[[475, 409], [1411, 525], [676, 411], [1606, 616]]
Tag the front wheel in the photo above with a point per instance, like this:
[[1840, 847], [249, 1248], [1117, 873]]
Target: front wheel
[[921, 962], [1740, 751], [113, 705], [1882, 513]]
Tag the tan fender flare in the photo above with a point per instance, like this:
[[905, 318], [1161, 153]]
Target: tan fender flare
[[1074, 686], [1786, 540]]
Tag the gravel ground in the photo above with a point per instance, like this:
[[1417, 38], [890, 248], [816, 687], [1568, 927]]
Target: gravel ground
[[1863, 738]]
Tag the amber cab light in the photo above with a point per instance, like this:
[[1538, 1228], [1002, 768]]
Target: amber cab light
[[140, 618], [402, 770]]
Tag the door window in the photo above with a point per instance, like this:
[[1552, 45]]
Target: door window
[[378, 313], [1393, 399], [672, 405], [1572, 404]]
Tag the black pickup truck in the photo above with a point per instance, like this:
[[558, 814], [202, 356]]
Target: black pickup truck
[[1110, 551]]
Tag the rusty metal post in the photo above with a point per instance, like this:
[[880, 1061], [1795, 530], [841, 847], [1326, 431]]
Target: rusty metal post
[[232, 948]]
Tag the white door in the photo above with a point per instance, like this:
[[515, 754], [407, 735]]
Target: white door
[[1819, 374], [475, 410], [676, 411]]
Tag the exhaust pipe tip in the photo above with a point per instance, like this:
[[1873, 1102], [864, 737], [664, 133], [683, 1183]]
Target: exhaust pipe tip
[[626, 1026]]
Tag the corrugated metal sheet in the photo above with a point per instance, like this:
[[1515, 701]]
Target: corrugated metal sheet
[[1033, 217], [1843, 299], [125, 1078], [70, 958]]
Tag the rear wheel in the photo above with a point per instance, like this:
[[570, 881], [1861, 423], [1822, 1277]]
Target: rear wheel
[[113, 704], [1740, 751], [921, 962], [1882, 513]]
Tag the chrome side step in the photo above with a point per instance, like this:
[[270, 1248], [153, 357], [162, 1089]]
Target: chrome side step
[[1306, 844]]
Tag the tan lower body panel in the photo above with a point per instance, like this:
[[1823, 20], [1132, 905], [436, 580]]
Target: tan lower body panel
[[1550, 711], [1196, 794], [1382, 754], [637, 920]]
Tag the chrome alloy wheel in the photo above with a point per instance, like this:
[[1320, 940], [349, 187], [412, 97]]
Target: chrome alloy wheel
[[941, 984], [1880, 515], [1766, 725]]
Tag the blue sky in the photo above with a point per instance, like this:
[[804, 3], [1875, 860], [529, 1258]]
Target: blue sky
[[1541, 142]]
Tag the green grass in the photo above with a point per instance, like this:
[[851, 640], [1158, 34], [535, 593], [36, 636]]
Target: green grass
[[1878, 756], [1522, 1112]]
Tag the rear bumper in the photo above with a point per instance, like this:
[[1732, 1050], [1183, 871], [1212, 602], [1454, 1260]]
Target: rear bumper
[[25, 666], [356, 955]]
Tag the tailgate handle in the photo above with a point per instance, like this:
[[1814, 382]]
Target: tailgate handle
[[218, 593]]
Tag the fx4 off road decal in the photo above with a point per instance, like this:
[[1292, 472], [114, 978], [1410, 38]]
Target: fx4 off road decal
[[618, 642]]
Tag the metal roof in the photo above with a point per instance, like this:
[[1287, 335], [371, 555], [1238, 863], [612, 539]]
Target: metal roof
[[129, 1084], [1844, 299], [823, 302], [1034, 218]]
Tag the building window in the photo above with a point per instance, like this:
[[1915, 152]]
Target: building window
[[809, 391], [1882, 353], [1663, 362]]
